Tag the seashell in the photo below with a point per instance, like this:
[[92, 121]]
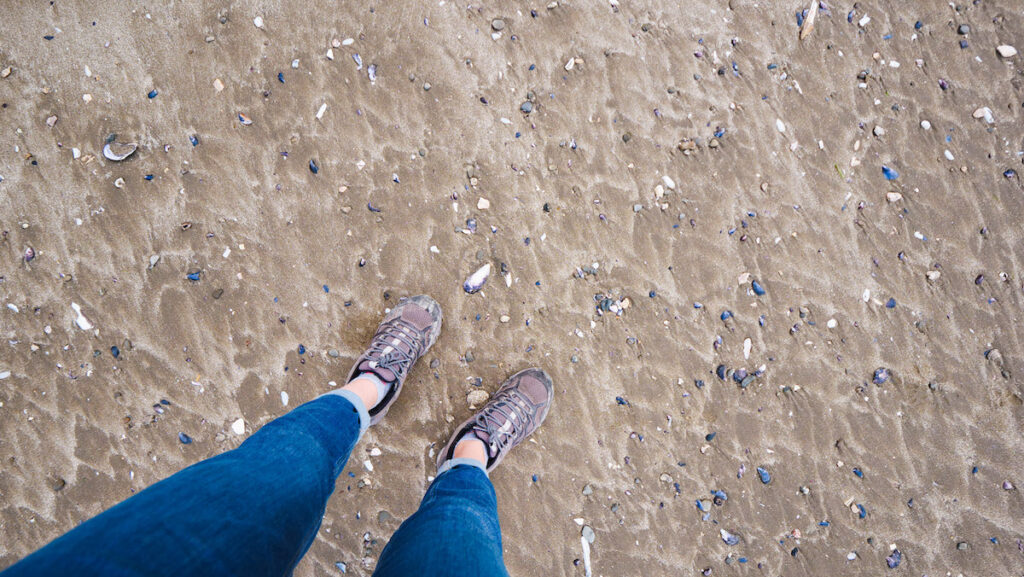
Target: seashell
[[893, 561], [477, 280], [729, 538], [765, 476], [808, 24], [359, 61], [245, 120], [80, 320], [118, 151], [371, 72]]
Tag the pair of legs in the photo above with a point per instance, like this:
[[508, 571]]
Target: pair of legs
[[255, 510]]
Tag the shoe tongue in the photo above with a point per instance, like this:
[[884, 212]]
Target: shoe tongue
[[498, 423], [481, 434], [385, 375]]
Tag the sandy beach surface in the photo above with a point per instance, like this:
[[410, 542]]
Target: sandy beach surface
[[867, 177]]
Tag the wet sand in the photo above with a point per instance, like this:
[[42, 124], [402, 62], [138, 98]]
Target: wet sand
[[803, 211]]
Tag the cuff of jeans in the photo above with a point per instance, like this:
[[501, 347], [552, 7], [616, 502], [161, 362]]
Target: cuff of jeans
[[364, 415], [451, 463]]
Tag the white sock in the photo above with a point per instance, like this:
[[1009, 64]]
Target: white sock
[[382, 387]]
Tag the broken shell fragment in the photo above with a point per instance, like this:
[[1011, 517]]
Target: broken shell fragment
[[476, 280], [118, 151]]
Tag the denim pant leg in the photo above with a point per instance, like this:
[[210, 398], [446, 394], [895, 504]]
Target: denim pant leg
[[251, 511], [454, 533]]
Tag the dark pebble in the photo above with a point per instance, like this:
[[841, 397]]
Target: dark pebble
[[313, 166]]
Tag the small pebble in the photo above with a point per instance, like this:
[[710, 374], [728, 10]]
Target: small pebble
[[588, 533], [476, 398]]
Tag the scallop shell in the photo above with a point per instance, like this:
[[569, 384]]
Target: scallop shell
[[118, 151]]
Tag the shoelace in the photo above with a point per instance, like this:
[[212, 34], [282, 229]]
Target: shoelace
[[511, 404], [396, 360]]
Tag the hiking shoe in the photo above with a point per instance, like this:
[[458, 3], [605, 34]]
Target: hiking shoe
[[512, 413], [405, 334]]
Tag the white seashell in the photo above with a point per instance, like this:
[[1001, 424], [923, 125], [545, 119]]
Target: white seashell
[[238, 427], [117, 151], [1006, 51], [476, 280], [82, 322], [781, 126]]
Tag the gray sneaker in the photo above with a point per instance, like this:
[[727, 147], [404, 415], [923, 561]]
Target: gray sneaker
[[405, 334], [517, 408]]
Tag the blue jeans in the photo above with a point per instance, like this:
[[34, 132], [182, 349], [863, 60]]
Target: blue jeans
[[256, 510]]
